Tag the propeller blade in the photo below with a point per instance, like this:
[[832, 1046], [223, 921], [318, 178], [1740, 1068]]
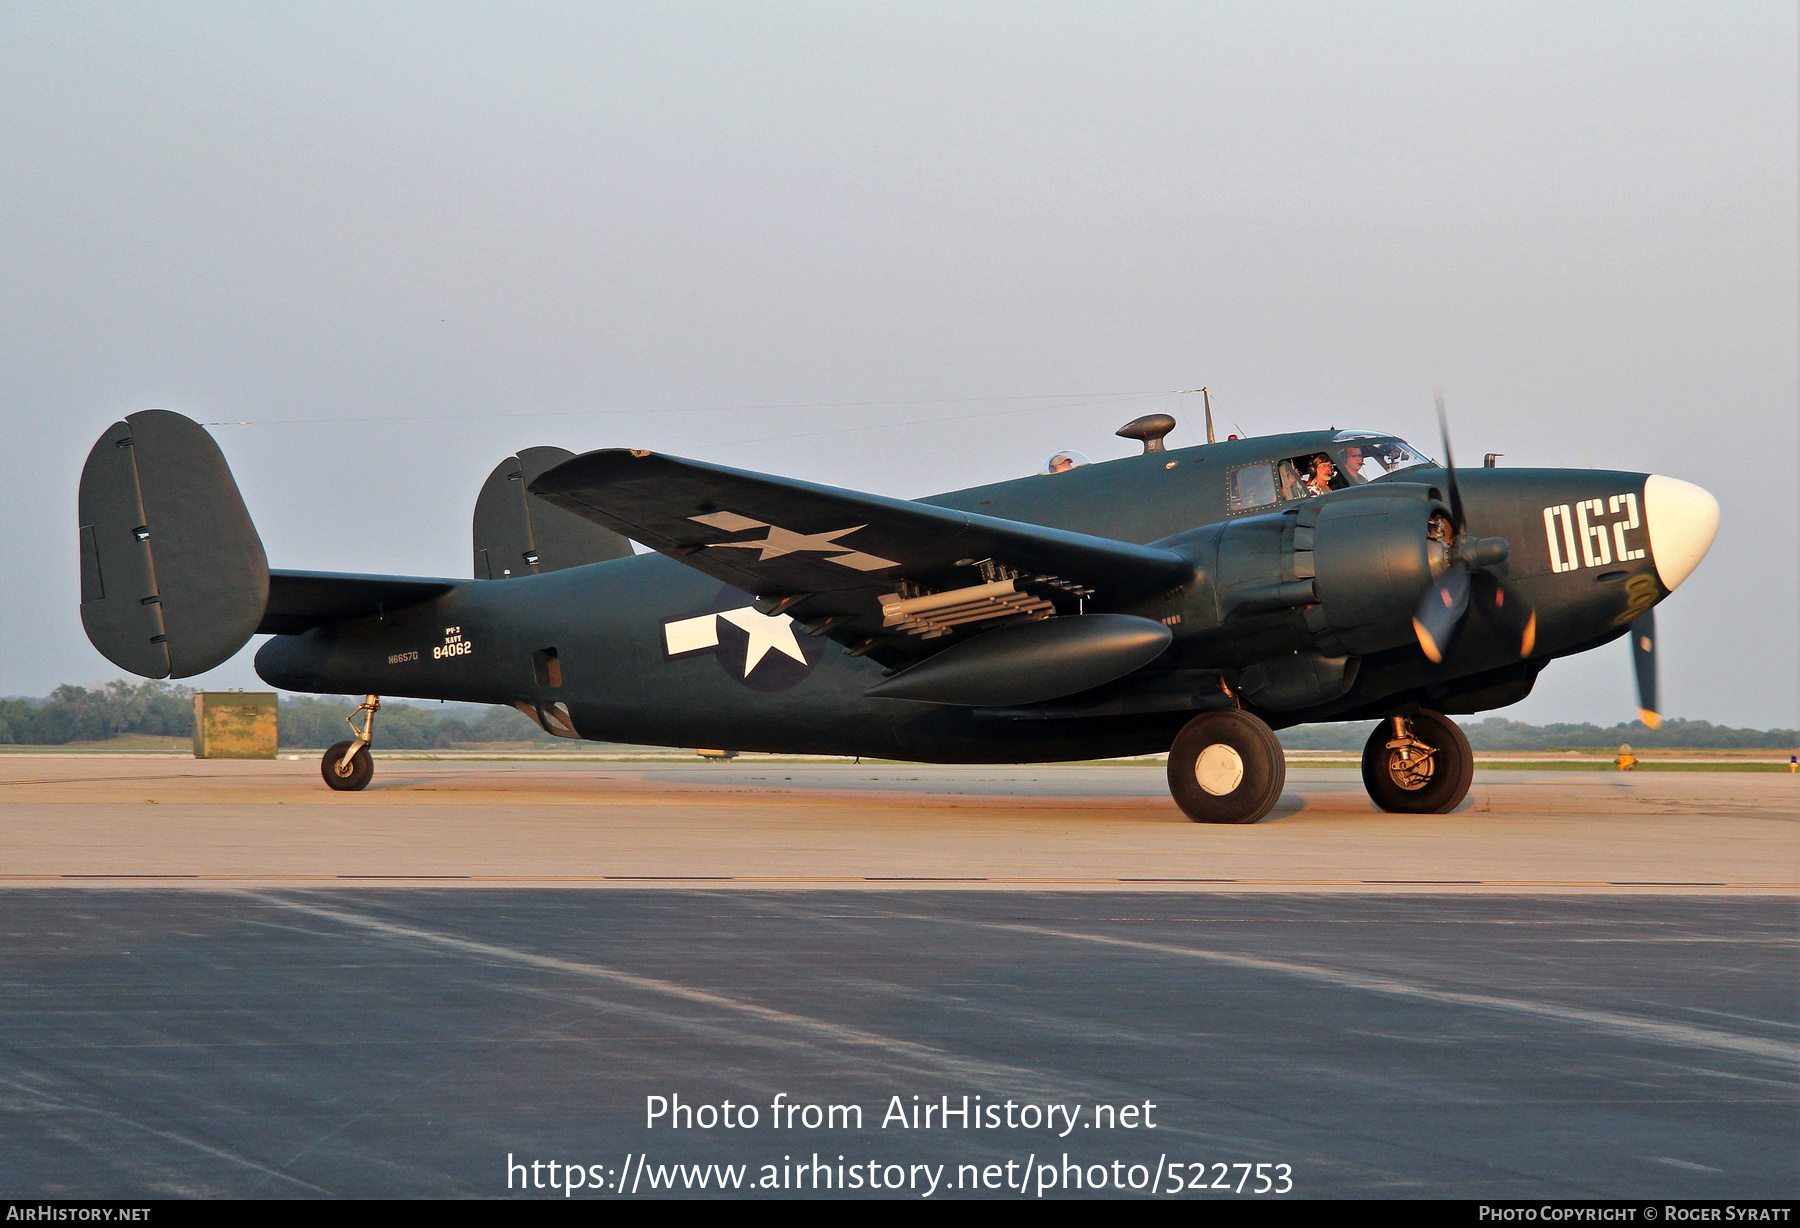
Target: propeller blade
[[1441, 610], [1456, 504], [1643, 663], [1512, 620]]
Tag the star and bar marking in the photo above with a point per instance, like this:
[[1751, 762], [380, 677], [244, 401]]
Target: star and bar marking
[[779, 542], [767, 634]]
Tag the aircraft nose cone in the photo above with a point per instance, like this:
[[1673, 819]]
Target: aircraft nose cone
[[1682, 519]]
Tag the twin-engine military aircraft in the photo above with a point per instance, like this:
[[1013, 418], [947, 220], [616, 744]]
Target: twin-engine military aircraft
[[1189, 600]]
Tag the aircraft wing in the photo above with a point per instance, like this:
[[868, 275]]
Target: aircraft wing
[[831, 553]]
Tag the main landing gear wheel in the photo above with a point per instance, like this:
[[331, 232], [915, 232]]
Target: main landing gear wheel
[[1226, 767], [348, 765], [1419, 764], [353, 777]]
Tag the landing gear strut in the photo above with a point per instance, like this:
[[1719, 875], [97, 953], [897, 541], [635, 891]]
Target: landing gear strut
[[1418, 764], [348, 765], [1226, 767]]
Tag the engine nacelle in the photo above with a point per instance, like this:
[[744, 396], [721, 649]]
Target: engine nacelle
[[1296, 596], [1372, 551]]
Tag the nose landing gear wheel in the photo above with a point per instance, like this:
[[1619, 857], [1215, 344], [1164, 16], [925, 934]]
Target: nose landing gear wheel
[[1419, 764], [1226, 767], [362, 767]]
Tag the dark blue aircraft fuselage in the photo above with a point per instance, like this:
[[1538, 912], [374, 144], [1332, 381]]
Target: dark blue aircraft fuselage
[[618, 676]]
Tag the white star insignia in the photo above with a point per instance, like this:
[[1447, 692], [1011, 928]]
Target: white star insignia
[[780, 541], [767, 634]]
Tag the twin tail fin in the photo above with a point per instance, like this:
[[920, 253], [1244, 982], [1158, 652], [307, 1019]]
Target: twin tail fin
[[174, 579]]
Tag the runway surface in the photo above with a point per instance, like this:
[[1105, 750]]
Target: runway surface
[[266, 823], [392, 1043], [1580, 985]]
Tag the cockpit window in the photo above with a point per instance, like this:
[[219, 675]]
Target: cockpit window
[[1351, 459], [1062, 462], [1288, 477], [1314, 474], [1284, 481], [1363, 456]]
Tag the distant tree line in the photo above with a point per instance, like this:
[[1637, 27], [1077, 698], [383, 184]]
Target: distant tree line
[[317, 722], [1498, 733], [76, 714]]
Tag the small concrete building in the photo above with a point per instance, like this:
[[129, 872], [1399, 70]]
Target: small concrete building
[[235, 724]]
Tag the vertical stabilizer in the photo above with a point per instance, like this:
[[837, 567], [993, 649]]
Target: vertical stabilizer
[[173, 575], [519, 534]]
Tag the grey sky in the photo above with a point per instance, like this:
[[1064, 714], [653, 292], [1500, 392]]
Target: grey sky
[[389, 234]]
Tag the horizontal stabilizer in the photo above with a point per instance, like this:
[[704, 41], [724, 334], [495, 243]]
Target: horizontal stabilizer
[[769, 535], [302, 600], [173, 576]]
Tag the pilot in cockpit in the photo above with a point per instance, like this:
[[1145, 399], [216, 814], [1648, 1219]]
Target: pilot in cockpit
[[1318, 479]]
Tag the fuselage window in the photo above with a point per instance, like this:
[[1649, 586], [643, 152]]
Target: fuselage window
[[1252, 486], [546, 667]]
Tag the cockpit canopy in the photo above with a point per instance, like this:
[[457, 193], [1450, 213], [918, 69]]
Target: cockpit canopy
[[1351, 459], [1374, 455]]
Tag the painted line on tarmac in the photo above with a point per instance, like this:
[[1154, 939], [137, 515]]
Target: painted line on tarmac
[[1634, 1027], [71, 1100], [107, 780], [897, 878], [902, 1054]]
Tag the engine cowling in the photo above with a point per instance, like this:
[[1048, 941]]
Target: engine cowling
[[1292, 598], [1373, 552]]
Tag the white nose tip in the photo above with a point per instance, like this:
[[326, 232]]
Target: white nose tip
[[1682, 519]]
